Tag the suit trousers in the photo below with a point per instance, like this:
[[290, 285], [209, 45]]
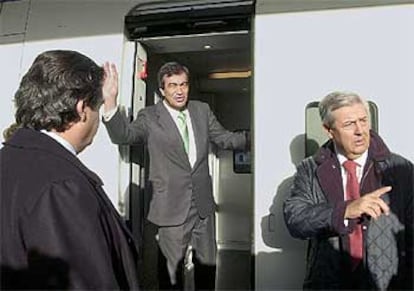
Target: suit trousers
[[197, 233]]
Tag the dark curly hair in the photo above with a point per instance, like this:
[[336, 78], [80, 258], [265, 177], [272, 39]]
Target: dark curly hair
[[49, 91]]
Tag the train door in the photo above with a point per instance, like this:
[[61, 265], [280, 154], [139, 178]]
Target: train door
[[213, 39]]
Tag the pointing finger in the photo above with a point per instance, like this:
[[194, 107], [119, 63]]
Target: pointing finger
[[381, 191]]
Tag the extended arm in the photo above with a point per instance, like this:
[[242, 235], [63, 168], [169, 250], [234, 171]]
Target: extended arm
[[120, 129], [224, 138]]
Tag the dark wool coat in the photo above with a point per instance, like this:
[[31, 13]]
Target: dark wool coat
[[59, 230], [315, 211]]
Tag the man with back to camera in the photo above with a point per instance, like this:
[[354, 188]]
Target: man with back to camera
[[59, 230], [178, 133], [353, 201]]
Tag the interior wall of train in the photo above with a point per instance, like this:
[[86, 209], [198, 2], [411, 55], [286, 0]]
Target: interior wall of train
[[298, 51]]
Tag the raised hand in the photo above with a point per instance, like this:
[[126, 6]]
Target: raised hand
[[110, 86], [370, 204]]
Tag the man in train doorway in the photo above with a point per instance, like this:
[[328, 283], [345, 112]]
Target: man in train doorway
[[178, 133]]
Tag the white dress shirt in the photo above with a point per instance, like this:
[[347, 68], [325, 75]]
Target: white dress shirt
[[360, 167], [359, 171], [192, 152]]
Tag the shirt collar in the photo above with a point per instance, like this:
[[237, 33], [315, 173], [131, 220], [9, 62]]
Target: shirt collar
[[360, 161], [174, 112], [60, 140]]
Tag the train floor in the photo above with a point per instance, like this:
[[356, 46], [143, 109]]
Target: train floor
[[234, 272]]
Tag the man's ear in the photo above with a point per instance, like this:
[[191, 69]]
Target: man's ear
[[328, 131], [80, 108], [162, 92]]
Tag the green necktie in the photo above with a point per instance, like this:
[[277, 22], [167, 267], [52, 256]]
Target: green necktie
[[182, 124]]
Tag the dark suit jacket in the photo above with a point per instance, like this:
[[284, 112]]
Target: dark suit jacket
[[58, 228], [173, 180]]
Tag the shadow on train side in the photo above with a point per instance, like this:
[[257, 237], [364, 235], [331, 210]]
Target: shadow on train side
[[275, 233]]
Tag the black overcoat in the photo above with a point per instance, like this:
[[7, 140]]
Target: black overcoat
[[59, 230]]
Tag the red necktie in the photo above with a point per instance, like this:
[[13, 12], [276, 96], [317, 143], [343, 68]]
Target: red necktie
[[352, 192]]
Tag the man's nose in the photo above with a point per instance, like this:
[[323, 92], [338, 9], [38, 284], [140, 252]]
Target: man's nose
[[358, 127], [179, 89]]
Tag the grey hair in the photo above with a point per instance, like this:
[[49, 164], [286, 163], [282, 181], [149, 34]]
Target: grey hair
[[336, 100]]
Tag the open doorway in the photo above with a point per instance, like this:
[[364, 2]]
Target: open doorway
[[220, 64]]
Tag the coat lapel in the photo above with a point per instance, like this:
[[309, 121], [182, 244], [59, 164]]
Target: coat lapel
[[196, 122], [329, 176], [329, 173]]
